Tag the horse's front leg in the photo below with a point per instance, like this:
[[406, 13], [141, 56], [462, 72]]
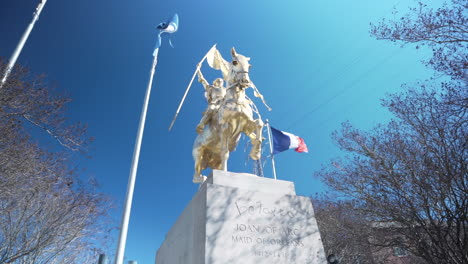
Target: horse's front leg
[[198, 158], [254, 132], [224, 151]]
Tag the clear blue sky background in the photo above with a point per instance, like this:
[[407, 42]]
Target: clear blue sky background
[[314, 61]]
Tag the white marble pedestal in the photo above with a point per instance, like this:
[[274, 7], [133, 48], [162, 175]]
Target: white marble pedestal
[[241, 218]]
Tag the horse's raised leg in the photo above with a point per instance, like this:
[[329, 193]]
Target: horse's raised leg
[[224, 151], [255, 134], [198, 157]]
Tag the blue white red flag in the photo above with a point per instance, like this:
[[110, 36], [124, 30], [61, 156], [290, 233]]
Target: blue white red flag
[[170, 26], [283, 141]]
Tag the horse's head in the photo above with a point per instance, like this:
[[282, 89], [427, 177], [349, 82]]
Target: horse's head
[[240, 68]]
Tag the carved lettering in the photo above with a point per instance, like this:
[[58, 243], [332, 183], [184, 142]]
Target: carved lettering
[[278, 241], [290, 231], [256, 229], [242, 239], [259, 209], [271, 254]]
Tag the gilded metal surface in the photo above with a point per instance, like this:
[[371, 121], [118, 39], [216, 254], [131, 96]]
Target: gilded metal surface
[[229, 113], [214, 95]]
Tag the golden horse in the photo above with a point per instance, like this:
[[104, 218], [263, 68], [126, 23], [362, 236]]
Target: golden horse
[[235, 116]]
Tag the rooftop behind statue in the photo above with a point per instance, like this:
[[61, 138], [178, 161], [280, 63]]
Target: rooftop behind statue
[[226, 118]]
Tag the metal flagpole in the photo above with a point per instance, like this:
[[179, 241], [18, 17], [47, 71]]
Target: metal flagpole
[[271, 149], [23, 39], [131, 179], [170, 27]]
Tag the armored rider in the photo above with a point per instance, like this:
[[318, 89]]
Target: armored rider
[[214, 95]]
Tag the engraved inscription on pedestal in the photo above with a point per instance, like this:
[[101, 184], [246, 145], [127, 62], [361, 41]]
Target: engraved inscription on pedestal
[[261, 228], [244, 219]]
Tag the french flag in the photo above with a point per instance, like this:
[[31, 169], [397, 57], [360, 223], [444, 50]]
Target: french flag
[[283, 141]]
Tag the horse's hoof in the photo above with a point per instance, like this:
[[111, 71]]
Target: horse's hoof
[[255, 155], [199, 179]]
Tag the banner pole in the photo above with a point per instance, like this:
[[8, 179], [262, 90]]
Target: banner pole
[[188, 88]]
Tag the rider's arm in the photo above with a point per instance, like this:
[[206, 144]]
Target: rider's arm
[[201, 79]]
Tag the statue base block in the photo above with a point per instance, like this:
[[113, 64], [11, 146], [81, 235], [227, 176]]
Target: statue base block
[[243, 218]]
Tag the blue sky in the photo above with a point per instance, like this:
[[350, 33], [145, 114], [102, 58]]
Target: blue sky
[[314, 62]]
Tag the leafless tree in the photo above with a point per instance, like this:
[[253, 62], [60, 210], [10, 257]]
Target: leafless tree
[[48, 214], [410, 177], [26, 100], [412, 172], [353, 239], [345, 233], [444, 29]]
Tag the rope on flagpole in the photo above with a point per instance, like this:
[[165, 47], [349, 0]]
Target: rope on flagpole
[[271, 149]]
